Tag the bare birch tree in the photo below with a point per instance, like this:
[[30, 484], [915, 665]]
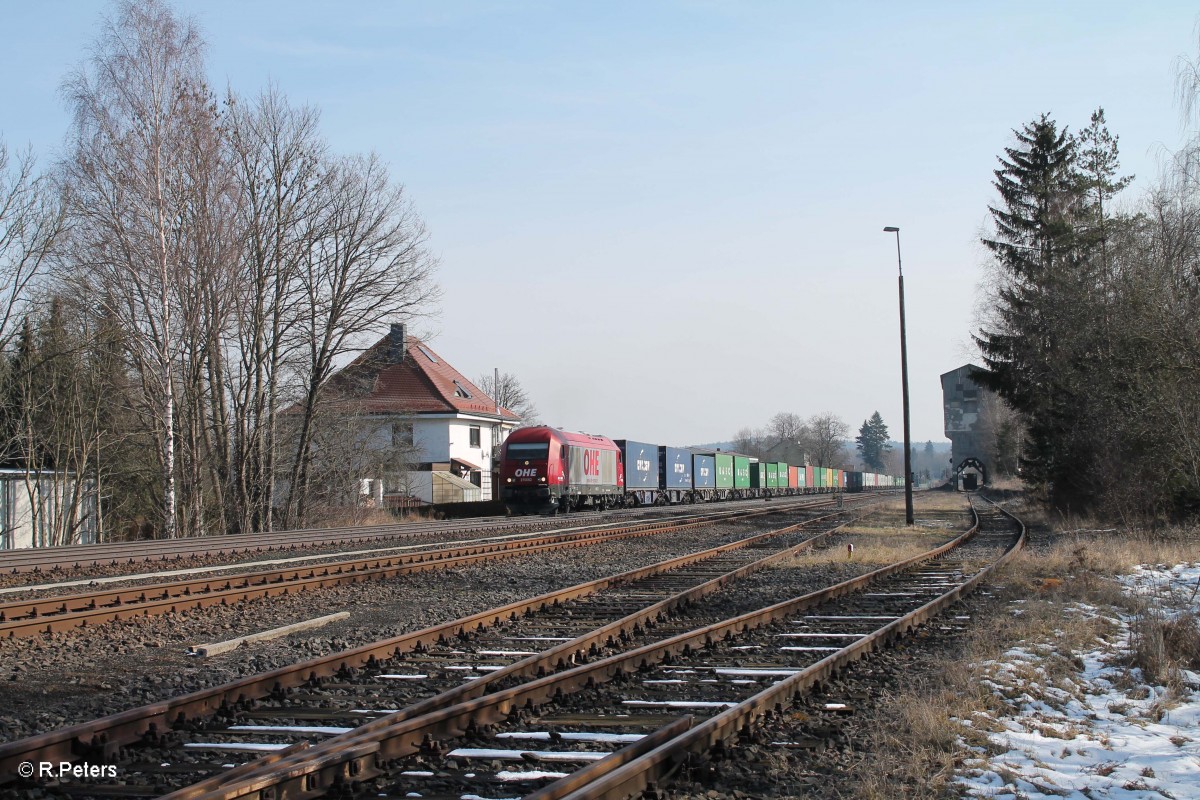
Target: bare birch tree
[[136, 104]]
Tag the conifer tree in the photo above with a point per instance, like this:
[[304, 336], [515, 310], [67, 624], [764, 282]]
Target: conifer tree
[[1097, 171], [872, 442], [1036, 251]]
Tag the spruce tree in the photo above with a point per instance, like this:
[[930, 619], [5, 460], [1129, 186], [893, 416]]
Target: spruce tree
[[1036, 251], [872, 442]]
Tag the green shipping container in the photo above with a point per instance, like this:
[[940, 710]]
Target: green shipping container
[[772, 475], [781, 469], [758, 475], [741, 472], [819, 477], [724, 471]]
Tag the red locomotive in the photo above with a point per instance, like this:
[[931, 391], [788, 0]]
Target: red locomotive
[[546, 470]]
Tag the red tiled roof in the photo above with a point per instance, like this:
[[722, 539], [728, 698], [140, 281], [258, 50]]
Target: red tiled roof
[[417, 384]]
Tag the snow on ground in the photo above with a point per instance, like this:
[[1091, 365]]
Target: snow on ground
[[1097, 733]]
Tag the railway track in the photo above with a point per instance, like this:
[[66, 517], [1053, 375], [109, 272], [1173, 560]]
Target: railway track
[[32, 616], [159, 551], [663, 600], [63, 559], [608, 609], [613, 726]]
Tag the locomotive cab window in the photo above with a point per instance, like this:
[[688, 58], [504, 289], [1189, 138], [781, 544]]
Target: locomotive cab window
[[528, 450]]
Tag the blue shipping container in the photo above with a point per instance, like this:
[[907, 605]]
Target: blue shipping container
[[706, 472], [641, 464], [676, 468]]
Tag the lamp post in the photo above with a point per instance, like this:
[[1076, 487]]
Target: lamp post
[[908, 501]]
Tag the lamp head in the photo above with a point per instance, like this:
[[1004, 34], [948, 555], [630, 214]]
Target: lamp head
[[891, 229]]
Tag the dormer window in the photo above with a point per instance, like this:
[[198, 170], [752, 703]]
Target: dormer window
[[460, 391]]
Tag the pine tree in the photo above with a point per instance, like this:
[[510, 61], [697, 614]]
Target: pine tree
[[872, 442], [1097, 171]]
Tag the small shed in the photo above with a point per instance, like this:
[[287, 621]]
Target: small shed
[[46, 508]]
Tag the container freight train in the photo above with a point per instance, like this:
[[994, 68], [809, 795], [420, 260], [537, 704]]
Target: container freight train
[[546, 470]]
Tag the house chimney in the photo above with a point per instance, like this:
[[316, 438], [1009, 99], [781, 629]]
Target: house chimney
[[398, 344]]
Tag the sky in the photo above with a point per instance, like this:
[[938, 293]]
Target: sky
[[665, 218]]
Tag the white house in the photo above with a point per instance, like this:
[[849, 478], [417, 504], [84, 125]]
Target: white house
[[411, 400]]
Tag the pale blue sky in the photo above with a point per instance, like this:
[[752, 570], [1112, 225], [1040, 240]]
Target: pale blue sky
[[633, 202]]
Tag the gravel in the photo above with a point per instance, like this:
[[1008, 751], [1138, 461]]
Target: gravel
[[66, 678]]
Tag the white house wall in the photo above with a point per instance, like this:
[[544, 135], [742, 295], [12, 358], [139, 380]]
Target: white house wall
[[440, 439], [430, 436], [445, 439]]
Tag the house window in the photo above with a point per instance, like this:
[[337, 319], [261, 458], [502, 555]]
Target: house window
[[426, 353], [474, 436], [402, 434], [461, 391]]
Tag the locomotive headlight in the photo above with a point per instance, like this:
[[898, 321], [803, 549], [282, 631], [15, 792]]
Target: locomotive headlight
[[542, 479], [508, 479]]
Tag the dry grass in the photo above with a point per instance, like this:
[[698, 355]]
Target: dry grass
[[926, 502], [344, 517], [873, 551], [1163, 644], [882, 538]]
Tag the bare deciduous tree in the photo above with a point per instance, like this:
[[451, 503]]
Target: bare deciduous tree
[[366, 262], [749, 441], [30, 222], [828, 441], [137, 107], [787, 426], [1000, 432], [279, 157], [510, 394]]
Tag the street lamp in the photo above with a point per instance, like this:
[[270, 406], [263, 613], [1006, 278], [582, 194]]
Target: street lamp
[[908, 501]]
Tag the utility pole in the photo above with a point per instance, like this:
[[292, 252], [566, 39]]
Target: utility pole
[[908, 500]]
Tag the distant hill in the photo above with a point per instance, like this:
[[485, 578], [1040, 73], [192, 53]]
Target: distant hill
[[941, 446], [711, 446]]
